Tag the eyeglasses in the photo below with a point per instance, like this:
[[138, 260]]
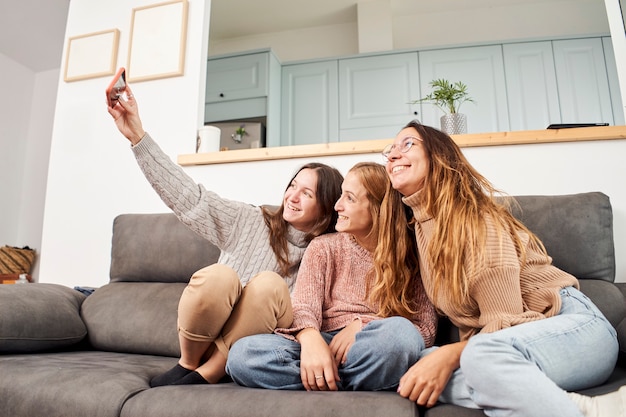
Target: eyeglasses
[[404, 147]]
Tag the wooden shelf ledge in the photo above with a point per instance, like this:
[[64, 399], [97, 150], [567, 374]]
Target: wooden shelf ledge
[[375, 146]]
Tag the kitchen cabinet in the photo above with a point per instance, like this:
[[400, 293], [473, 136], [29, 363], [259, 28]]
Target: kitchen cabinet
[[481, 68], [582, 81], [531, 86], [245, 86], [375, 94], [611, 71], [309, 104]]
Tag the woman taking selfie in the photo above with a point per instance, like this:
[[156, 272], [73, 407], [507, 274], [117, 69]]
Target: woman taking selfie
[[247, 291], [521, 320]]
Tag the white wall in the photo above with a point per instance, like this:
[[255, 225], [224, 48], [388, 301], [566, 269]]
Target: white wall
[[92, 174], [26, 118]]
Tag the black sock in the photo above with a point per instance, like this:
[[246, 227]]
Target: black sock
[[169, 377], [192, 378]]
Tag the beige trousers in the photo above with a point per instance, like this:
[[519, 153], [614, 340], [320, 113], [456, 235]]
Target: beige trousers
[[215, 308]]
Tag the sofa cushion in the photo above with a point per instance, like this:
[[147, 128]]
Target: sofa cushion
[[75, 384], [37, 317], [157, 247], [576, 229], [134, 317]]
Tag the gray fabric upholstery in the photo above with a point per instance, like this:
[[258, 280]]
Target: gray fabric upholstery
[[576, 229], [37, 317], [134, 317], [75, 384], [229, 400], [157, 247]]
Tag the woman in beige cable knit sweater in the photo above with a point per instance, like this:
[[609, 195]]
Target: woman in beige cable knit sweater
[[354, 327], [528, 335], [247, 291]]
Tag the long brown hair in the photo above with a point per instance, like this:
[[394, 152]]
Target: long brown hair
[[459, 199], [327, 192], [395, 259]]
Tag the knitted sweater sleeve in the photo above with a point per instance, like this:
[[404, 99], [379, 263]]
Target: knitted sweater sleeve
[[203, 211], [496, 286]]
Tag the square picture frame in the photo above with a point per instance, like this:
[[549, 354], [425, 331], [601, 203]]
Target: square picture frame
[[157, 42], [91, 55]]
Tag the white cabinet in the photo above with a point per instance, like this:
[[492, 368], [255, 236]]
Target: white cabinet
[[245, 86], [531, 86], [309, 105], [481, 68], [374, 95], [582, 80]]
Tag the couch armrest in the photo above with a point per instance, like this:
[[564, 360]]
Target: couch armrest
[[38, 317]]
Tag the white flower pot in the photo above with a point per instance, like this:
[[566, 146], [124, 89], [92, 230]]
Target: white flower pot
[[454, 123]]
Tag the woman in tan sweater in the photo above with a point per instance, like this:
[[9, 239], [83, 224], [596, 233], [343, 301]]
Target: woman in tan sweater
[[528, 335]]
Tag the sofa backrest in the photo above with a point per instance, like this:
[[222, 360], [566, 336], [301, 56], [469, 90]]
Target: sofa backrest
[[576, 229], [157, 248], [152, 258]]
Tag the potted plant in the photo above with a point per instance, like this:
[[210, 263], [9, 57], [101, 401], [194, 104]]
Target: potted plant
[[448, 97], [240, 132]]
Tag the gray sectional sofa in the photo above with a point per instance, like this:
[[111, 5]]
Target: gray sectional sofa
[[64, 353]]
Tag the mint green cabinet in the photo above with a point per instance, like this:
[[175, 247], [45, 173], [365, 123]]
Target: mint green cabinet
[[245, 86], [375, 94], [531, 85], [582, 80], [309, 104]]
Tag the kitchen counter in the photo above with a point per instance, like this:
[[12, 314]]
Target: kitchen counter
[[375, 146]]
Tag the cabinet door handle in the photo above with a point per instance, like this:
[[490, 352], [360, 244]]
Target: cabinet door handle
[[221, 94]]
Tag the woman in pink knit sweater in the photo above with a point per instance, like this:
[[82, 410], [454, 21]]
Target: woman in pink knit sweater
[[354, 327], [528, 335]]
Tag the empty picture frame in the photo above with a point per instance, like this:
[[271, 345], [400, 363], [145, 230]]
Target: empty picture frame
[[157, 41], [91, 55]]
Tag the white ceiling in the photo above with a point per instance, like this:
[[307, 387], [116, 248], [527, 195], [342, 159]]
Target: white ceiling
[[32, 32]]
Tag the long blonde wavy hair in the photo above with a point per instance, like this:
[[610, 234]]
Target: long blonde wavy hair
[[459, 199], [394, 285]]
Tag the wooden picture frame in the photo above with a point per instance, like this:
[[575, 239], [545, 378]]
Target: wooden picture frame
[[157, 41], [91, 55]]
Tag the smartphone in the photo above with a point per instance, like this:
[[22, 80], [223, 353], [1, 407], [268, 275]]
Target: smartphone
[[117, 87]]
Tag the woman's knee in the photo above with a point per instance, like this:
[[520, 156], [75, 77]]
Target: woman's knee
[[396, 334], [267, 284], [214, 281], [267, 295], [208, 300]]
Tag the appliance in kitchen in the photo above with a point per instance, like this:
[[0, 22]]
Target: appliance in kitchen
[[240, 135]]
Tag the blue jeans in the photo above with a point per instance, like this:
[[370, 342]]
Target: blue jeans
[[382, 352], [525, 370]]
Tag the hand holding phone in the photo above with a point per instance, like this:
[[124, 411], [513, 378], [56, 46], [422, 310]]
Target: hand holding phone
[[116, 88]]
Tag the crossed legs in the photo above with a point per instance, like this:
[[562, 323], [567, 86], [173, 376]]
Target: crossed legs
[[215, 311]]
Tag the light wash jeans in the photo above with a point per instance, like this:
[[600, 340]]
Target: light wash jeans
[[525, 370], [382, 352]]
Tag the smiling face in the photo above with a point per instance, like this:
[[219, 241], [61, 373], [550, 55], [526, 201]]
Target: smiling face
[[353, 208], [300, 201], [407, 170]]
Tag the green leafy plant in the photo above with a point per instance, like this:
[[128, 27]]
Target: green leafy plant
[[241, 130], [446, 95]]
